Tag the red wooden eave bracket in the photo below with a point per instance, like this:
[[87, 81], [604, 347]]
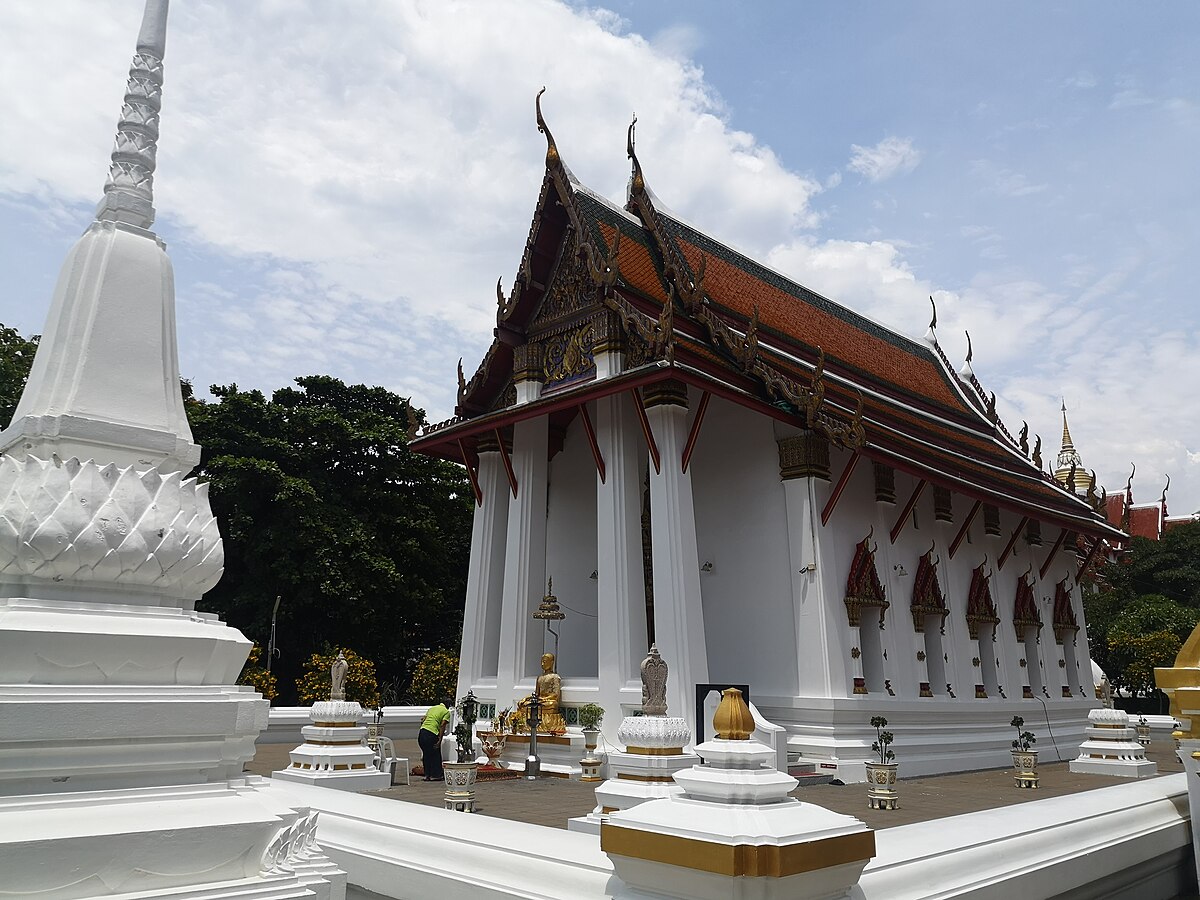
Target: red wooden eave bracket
[[966, 526], [840, 487], [472, 474], [1062, 536], [640, 408], [908, 508], [591, 436], [1090, 558], [512, 476], [1012, 542], [694, 433]]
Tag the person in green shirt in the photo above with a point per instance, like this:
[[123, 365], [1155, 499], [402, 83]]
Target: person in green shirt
[[433, 729]]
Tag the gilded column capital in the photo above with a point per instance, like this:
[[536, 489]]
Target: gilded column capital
[[527, 363], [885, 483], [488, 443], [666, 393], [804, 455], [943, 504], [607, 336]]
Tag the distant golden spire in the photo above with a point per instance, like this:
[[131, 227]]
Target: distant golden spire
[[1069, 471]]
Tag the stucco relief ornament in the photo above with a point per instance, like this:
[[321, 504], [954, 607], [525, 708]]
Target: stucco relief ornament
[[654, 684]]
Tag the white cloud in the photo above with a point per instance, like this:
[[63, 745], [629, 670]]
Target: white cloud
[[343, 182], [1002, 181], [891, 156]]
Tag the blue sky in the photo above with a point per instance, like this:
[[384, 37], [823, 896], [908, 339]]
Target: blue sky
[[341, 183]]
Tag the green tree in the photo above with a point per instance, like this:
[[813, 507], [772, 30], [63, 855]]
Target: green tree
[[16, 356], [1168, 570], [1147, 632], [321, 501], [435, 676]]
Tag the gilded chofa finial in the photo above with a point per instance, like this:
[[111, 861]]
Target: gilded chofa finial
[[733, 720], [970, 350], [552, 157], [637, 183], [933, 321], [1129, 483]]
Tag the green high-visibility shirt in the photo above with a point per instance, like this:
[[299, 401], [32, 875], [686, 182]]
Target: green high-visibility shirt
[[434, 718]]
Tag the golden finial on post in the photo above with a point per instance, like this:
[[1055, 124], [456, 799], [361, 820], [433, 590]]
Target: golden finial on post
[[733, 720]]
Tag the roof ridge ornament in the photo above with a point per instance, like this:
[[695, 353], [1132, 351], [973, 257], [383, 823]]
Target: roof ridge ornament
[[129, 188], [689, 288], [553, 159]]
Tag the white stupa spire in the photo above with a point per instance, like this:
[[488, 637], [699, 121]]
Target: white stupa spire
[[105, 382], [129, 191]]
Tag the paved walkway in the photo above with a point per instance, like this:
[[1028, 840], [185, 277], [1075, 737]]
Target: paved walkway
[[551, 801]]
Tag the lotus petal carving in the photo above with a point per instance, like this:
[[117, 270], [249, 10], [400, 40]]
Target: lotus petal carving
[[73, 521]]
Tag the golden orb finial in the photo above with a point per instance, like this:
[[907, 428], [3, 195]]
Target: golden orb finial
[[733, 720]]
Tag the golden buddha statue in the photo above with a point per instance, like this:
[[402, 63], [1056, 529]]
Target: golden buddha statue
[[548, 691]]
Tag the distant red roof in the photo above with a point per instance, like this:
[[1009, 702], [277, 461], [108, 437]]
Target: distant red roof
[[1146, 521]]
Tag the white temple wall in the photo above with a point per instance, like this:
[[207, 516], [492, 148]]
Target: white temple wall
[[741, 527], [571, 555]]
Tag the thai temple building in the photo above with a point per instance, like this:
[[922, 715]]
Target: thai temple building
[[776, 491]]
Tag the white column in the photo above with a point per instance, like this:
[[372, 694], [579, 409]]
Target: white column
[[621, 592], [803, 460], [485, 575], [525, 557], [678, 612]]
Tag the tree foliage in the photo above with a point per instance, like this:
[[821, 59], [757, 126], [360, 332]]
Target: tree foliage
[[16, 356], [1146, 605], [321, 501], [435, 677], [360, 686], [257, 677]]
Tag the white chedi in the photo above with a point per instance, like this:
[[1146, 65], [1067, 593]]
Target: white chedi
[[73, 521]]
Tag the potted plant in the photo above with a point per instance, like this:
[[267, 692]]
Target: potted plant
[[590, 717], [1024, 758], [881, 776], [460, 776]]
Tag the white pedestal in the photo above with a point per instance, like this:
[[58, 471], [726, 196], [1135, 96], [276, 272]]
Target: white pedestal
[[644, 771], [334, 753], [1112, 747]]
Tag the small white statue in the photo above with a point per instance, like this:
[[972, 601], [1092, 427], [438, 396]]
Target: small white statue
[[337, 677], [654, 684]]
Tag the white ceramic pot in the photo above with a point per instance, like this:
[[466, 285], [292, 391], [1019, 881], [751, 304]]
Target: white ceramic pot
[[881, 785]]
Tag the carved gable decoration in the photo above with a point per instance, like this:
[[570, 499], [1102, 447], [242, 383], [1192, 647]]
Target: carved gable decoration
[[980, 608], [1064, 612], [863, 587], [572, 289], [1025, 611], [927, 597]]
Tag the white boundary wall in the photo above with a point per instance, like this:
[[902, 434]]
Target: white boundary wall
[[284, 723], [1128, 842]]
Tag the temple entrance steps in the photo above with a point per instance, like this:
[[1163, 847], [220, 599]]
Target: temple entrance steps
[[809, 772]]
